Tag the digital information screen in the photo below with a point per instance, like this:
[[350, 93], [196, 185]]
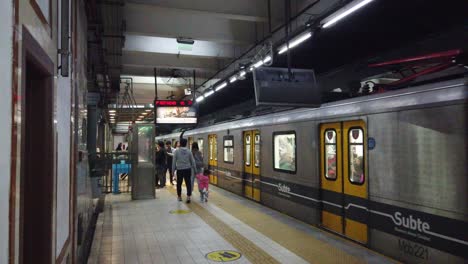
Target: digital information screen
[[175, 112]]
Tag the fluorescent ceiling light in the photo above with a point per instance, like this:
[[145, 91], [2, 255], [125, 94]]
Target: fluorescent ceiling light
[[344, 12], [111, 111], [210, 92], [242, 73], [258, 64], [295, 41], [148, 110], [200, 98], [221, 86], [233, 79], [112, 114], [267, 59]]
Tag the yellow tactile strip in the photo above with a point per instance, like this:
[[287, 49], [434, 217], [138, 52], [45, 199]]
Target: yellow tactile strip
[[302, 244], [252, 252]]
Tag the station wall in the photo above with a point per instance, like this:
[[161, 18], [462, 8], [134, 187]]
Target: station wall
[[63, 162], [6, 55]]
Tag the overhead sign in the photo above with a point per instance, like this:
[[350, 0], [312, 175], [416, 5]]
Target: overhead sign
[[173, 103], [278, 86], [175, 112]]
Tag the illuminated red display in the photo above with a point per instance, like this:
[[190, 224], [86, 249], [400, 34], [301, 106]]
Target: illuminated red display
[[173, 103]]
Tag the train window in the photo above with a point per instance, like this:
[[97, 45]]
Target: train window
[[356, 155], [200, 145], [210, 147], [228, 149], [215, 148], [257, 151], [330, 154], [284, 151], [247, 149]]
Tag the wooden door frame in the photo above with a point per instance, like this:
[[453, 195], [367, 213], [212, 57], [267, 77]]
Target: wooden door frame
[[33, 53]]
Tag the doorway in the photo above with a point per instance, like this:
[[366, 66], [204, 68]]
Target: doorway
[[213, 158], [37, 183], [343, 178], [251, 175]]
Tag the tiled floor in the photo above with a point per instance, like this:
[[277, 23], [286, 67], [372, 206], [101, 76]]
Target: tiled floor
[[145, 231]]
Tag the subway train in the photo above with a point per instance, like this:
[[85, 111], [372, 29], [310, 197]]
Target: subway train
[[388, 170]]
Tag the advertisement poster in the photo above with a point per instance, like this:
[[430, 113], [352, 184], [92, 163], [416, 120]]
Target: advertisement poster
[[176, 115]]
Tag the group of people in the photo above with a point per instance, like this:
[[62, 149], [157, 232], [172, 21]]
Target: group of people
[[186, 165]]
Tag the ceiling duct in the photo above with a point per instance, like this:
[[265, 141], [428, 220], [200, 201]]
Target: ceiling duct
[[105, 43]]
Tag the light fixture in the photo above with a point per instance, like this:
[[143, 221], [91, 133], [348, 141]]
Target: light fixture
[[112, 114], [242, 73], [251, 68], [210, 92], [344, 12], [221, 86], [200, 98], [111, 111], [295, 41], [267, 59], [148, 110], [258, 64], [144, 113], [233, 79]]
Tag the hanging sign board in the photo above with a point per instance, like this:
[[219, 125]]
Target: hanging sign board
[[175, 112]]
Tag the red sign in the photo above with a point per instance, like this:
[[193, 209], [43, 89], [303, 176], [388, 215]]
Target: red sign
[[173, 103]]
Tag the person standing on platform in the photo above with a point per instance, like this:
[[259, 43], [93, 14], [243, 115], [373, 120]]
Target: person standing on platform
[[170, 155], [184, 163], [160, 165], [197, 155]]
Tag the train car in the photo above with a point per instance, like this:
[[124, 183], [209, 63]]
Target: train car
[[388, 171]]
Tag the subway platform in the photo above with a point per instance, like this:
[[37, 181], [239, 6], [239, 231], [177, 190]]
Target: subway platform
[[226, 229]]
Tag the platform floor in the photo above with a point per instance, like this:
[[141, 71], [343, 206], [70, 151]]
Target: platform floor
[[154, 231]]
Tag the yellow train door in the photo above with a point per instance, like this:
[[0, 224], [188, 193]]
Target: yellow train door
[[355, 182], [256, 166], [343, 180], [248, 165], [213, 158], [251, 174], [331, 179]]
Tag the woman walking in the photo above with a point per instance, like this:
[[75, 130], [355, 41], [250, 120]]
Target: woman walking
[[198, 156], [184, 163]]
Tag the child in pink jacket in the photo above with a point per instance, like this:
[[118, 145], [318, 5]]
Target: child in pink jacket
[[203, 185]]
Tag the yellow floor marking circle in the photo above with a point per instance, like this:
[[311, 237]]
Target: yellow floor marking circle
[[223, 255], [179, 211]]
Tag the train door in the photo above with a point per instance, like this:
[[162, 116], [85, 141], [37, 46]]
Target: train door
[[251, 173], [343, 178], [213, 158]]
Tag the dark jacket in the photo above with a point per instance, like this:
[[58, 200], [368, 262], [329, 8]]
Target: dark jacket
[[161, 158], [169, 157]]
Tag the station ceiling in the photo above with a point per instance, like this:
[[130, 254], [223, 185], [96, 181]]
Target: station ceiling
[[223, 30]]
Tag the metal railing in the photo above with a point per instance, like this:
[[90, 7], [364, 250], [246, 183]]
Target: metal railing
[[115, 171]]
